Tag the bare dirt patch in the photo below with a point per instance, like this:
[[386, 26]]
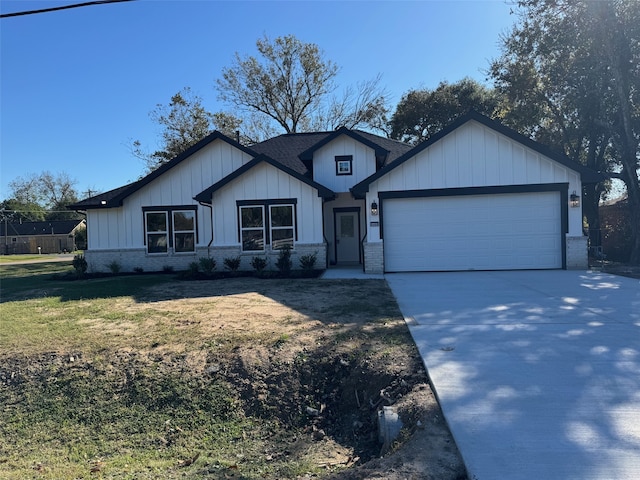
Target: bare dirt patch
[[316, 358]]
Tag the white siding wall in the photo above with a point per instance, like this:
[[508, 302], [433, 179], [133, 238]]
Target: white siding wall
[[119, 228], [475, 156], [324, 163], [260, 183]]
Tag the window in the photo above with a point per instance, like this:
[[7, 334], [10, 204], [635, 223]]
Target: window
[[266, 222], [344, 164], [252, 228], [281, 226], [167, 227], [184, 231], [157, 232]]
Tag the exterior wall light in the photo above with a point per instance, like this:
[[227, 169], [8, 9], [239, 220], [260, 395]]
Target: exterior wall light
[[574, 200], [374, 208]]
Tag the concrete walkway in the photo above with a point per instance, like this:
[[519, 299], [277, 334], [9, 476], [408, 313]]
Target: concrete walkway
[[537, 372]]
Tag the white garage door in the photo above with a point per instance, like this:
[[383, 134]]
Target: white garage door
[[474, 232]]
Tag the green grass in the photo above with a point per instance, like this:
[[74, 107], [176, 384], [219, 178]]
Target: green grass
[[26, 257], [82, 387]]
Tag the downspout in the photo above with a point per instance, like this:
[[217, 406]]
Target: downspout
[[210, 207], [364, 266]]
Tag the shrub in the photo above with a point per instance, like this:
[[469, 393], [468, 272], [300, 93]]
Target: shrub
[[259, 263], [194, 268], [167, 268], [284, 260], [115, 267], [208, 265], [308, 262], [80, 265], [232, 263], [138, 269]]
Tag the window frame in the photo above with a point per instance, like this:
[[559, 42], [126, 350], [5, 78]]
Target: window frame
[[252, 229], [156, 233], [176, 232], [291, 227], [170, 233], [266, 205], [344, 159]]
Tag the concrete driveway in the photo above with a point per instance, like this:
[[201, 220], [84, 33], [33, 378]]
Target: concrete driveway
[[537, 372]]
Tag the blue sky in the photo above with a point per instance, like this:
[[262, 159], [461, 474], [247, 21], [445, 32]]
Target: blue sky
[[77, 85]]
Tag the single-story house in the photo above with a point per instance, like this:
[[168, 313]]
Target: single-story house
[[55, 236], [476, 196]]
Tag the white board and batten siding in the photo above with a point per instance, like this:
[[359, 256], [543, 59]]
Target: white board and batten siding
[[123, 227], [488, 231], [266, 182], [324, 163]]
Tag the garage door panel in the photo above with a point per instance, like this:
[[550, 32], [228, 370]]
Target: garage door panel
[[476, 232]]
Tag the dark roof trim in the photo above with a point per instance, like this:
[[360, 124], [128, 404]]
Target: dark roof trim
[[308, 154], [114, 198], [587, 175], [205, 195]]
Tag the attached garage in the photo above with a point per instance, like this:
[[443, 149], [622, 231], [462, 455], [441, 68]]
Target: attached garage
[[476, 196], [473, 232]]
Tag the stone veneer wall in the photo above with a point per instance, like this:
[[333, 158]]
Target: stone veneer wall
[[577, 253], [99, 260], [373, 258]]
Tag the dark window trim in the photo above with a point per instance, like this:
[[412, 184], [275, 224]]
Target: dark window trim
[[169, 209], [561, 188], [344, 158], [266, 203]]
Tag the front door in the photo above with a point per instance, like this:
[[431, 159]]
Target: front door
[[347, 237]]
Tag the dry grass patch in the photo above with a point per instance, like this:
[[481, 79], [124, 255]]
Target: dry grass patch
[[241, 378]]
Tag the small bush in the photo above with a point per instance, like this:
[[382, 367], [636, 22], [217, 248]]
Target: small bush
[[232, 263], [208, 265], [114, 267], [138, 269], [284, 260], [308, 262], [259, 264], [80, 265], [194, 268], [167, 268]]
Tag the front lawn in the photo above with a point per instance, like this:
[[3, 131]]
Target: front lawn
[[146, 377]]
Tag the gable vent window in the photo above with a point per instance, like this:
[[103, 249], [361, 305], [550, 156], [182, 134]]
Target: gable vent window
[[267, 222], [169, 228], [344, 165]]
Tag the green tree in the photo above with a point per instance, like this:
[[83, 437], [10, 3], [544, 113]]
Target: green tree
[[422, 113], [184, 122], [17, 211], [43, 197], [289, 86], [569, 73]]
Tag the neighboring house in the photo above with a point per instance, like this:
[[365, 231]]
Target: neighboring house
[[476, 196], [56, 236]]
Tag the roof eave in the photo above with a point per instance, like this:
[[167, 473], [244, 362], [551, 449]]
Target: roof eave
[[206, 195]]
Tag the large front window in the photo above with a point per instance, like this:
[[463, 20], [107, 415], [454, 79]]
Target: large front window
[[266, 222], [281, 226], [170, 227], [184, 231], [252, 228], [157, 232]]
